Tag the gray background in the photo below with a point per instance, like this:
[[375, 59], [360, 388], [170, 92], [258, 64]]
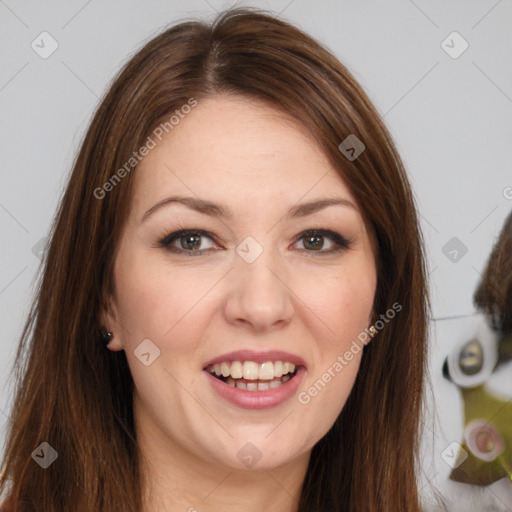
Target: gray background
[[450, 117]]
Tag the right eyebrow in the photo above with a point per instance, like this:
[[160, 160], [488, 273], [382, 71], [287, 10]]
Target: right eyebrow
[[200, 205]]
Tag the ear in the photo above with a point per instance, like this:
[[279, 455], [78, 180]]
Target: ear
[[109, 320]]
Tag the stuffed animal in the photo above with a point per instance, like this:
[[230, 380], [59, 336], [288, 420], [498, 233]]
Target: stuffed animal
[[488, 416], [480, 367]]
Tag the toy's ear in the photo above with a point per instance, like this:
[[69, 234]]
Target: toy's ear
[[494, 293], [109, 320]]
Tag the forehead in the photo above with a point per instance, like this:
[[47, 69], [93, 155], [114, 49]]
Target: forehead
[[235, 148]]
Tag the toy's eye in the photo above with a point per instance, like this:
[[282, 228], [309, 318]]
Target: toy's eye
[[471, 358], [473, 362]]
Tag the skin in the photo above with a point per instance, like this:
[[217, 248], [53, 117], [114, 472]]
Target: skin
[[252, 159]]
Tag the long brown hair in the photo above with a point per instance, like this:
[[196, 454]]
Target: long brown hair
[[77, 396]]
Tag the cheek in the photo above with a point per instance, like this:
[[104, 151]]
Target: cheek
[[343, 303], [156, 300]]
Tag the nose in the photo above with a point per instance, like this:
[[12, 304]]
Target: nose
[[259, 297]]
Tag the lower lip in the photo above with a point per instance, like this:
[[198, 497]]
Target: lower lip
[[257, 399]]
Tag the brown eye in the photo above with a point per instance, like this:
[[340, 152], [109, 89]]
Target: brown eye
[[186, 241], [314, 242], [471, 358], [192, 242]]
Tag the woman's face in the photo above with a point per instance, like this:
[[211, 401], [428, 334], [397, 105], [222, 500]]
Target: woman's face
[[248, 292]]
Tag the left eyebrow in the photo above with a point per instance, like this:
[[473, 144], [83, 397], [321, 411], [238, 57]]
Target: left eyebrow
[[301, 210]]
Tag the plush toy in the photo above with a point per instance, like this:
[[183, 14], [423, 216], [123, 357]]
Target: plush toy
[[486, 447]]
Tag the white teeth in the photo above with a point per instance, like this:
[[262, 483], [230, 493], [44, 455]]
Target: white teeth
[[236, 370], [255, 386], [240, 384], [266, 371], [224, 368], [288, 368], [250, 370], [278, 369]]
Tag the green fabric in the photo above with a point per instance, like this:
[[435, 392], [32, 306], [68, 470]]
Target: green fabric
[[479, 403]]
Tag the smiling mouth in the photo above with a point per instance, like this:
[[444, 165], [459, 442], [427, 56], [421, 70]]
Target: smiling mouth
[[251, 376]]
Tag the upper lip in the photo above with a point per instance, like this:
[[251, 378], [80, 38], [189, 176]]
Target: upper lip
[[258, 357]]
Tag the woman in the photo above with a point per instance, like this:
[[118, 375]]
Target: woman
[[239, 231]]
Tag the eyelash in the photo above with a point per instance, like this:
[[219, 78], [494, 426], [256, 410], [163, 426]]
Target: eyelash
[[341, 243]]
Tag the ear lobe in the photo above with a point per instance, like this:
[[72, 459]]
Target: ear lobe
[[108, 316]]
